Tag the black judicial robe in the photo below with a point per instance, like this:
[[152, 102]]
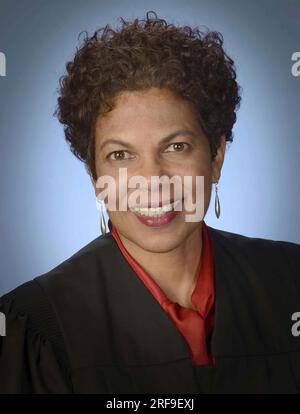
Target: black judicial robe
[[91, 326]]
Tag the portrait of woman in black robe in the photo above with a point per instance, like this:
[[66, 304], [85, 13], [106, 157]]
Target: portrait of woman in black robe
[[156, 303]]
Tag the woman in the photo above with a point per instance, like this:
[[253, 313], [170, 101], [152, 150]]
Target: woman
[[160, 304]]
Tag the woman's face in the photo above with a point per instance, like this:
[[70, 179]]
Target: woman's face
[[141, 121]]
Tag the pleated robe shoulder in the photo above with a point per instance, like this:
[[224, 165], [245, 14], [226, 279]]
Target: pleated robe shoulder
[[91, 326]]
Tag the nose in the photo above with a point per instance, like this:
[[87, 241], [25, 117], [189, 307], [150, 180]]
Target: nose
[[151, 167], [155, 189]]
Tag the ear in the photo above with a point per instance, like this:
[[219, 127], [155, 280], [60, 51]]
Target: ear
[[219, 159]]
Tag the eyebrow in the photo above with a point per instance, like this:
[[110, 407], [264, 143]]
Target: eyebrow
[[161, 142]]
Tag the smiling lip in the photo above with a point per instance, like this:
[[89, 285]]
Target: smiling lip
[[157, 221], [156, 205]]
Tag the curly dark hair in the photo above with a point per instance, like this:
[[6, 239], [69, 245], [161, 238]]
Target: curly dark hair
[[138, 55]]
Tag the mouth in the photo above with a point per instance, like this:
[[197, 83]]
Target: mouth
[[156, 212]]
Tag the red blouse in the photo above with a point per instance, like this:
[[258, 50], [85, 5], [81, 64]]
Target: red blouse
[[195, 325]]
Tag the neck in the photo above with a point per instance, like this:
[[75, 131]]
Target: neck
[[174, 271]]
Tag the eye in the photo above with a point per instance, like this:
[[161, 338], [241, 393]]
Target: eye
[[178, 147], [118, 155]]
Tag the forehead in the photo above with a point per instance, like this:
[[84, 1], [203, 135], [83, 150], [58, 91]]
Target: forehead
[[155, 108]]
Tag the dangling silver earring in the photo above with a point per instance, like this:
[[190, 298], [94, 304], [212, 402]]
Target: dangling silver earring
[[217, 201], [99, 205], [103, 225]]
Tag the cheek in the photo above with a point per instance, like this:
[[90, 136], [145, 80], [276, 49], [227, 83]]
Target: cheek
[[110, 184], [201, 189], [202, 169]]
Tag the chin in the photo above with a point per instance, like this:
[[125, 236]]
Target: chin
[[162, 240], [159, 244]]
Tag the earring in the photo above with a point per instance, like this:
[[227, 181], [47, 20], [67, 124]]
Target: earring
[[103, 225], [217, 201], [99, 205]]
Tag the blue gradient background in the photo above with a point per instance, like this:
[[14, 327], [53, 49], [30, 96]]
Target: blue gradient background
[[47, 201]]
